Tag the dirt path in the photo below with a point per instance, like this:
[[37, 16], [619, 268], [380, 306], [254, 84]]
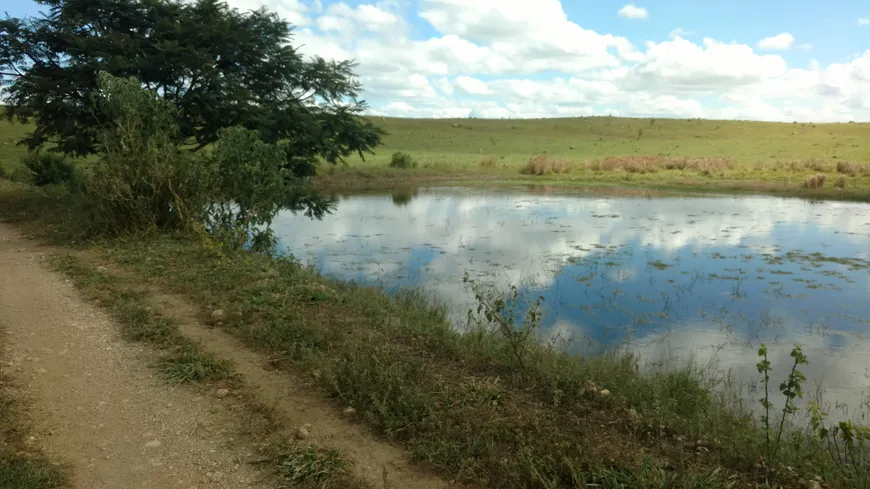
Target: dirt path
[[379, 462], [96, 405]]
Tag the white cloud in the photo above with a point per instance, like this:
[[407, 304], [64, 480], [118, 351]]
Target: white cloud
[[632, 12], [499, 58], [864, 21], [805, 45], [471, 86], [778, 42], [678, 32]]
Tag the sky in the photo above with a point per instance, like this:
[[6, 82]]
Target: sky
[[773, 60]]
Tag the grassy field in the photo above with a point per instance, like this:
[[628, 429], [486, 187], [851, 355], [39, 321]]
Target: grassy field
[[669, 154], [480, 408], [722, 155]]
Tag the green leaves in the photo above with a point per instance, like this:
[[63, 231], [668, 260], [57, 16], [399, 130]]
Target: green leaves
[[216, 66]]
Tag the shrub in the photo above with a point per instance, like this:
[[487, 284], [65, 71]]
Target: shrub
[[402, 160], [489, 162], [652, 164], [544, 165], [840, 182], [46, 168], [144, 181], [815, 181]]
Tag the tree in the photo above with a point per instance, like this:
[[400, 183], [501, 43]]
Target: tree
[[217, 66]]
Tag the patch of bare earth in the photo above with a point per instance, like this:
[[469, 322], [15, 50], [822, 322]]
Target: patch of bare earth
[[379, 462], [96, 406]]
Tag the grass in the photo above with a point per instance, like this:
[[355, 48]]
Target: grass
[[459, 402], [298, 464], [673, 154], [693, 154], [465, 404]]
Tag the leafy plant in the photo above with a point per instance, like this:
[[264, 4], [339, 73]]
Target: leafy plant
[[218, 66], [497, 313], [846, 444], [49, 168], [402, 160], [791, 388]]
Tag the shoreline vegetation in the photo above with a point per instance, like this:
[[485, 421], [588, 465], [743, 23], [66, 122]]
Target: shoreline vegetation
[[487, 407]]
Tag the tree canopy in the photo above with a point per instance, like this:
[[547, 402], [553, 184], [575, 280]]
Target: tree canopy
[[217, 66]]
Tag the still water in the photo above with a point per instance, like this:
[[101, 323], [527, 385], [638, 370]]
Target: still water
[[673, 279]]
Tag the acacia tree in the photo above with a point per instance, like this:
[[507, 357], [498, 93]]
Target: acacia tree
[[217, 66]]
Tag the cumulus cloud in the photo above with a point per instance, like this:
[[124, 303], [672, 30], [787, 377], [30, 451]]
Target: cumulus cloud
[[678, 32], [778, 42], [632, 12], [499, 58]]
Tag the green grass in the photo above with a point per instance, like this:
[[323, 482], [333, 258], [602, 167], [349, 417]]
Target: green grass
[[181, 361], [766, 157], [459, 402]]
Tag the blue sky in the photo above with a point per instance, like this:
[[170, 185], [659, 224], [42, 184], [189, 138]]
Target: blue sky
[[546, 58]]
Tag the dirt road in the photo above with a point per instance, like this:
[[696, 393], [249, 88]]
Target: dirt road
[[96, 405]]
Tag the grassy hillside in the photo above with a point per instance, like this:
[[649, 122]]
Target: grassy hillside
[[723, 155], [463, 142]]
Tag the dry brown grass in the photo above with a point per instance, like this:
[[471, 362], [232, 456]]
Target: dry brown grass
[[812, 164], [853, 168], [815, 181], [652, 164], [544, 165], [840, 182], [489, 162]]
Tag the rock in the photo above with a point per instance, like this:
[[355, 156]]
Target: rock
[[221, 393], [348, 411], [153, 444], [218, 315], [302, 432], [604, 392], [813, 484]]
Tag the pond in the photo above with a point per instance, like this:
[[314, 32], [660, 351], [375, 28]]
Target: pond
[[673, 279]]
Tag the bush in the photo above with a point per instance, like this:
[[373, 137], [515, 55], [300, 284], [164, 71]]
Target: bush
[[49, 168], [489, 162], [840, 182], [402, 160], [544, 165], [815, 181], [144, 181]]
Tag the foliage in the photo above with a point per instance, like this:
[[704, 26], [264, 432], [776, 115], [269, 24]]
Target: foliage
[[402, 160], [143, 180], [846, 444], [218, 67], [545, 165], [791, 388], [253, 186], [49, 168], [498, 314]]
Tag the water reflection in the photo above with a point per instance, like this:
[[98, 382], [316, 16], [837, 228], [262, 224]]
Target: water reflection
[[671, 278]]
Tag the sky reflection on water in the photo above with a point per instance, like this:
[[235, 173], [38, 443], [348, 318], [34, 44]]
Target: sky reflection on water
[[672, 278]]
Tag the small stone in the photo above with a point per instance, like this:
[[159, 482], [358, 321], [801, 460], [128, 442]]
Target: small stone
[[218, 315], [153, 444], [604, 392], [221, 393], [302, 432], [348, 411], [41, 371]]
